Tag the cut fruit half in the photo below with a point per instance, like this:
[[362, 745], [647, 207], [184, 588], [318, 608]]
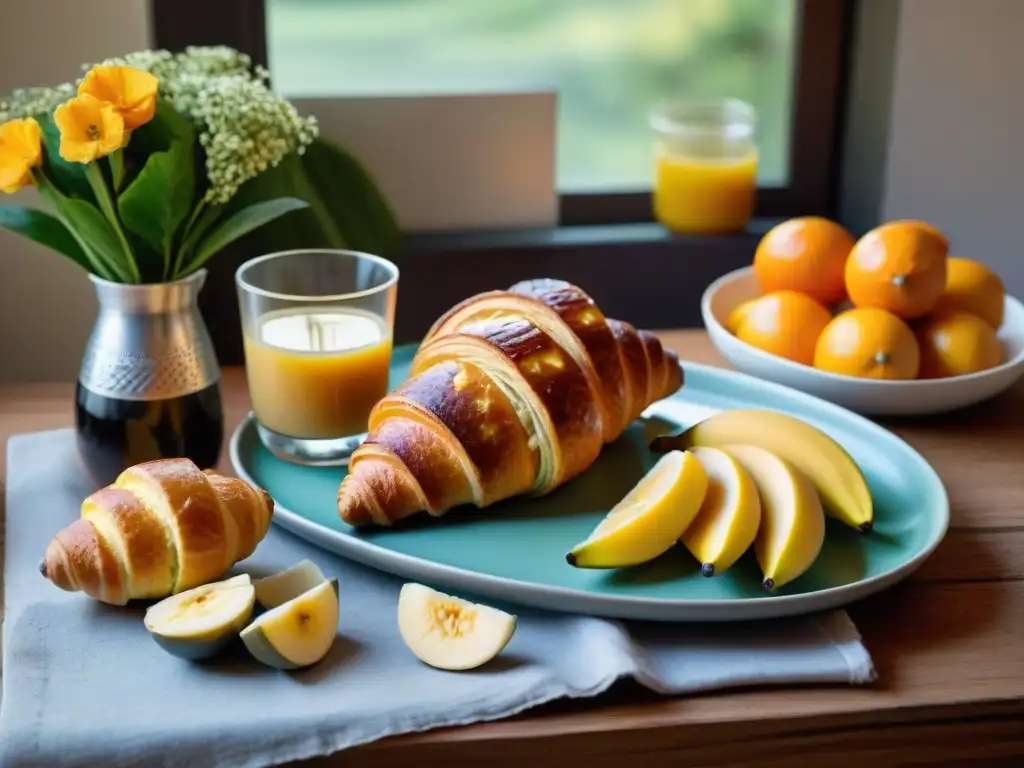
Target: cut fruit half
[[201, 622], [729, 517], [792, 520], [448, 632], [650, 518], [279, 588], [296, 633]]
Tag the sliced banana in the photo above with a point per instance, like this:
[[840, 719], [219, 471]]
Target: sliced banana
[[448, 632], [279, 588], [201, 622], [296, 633], [792, 527], [729, 517]]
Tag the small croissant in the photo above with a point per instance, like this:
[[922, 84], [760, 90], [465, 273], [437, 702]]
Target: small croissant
[[160, 528]]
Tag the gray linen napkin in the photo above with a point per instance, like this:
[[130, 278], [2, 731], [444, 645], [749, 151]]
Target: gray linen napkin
[[84, 685]]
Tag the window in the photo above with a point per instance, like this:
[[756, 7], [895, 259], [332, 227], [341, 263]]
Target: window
[[608, 59]]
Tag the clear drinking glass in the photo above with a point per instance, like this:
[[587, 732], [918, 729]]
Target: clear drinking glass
[[317, 328], [706, 161]]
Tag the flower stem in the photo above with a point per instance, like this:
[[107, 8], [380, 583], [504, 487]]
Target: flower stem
[[99, 188], [47, 190]]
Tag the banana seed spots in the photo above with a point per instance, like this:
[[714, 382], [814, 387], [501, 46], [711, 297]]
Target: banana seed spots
[[452, 619]]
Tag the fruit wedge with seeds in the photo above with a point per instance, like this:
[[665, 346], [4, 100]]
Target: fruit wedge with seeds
[[649, 519], [792, 527], [280, 587], [448, 632], [201, 622], [729, 517], [296, 633]]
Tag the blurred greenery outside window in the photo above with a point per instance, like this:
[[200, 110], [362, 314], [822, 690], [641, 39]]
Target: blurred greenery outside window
[[609, 60]]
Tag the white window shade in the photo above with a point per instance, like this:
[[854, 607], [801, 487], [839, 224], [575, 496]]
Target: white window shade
[[452, 162]]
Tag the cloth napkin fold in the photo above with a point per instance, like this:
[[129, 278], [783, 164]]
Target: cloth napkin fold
[[84, 684]]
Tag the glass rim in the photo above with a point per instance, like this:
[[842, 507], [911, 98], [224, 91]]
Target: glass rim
[[737, 117], [242, 283]]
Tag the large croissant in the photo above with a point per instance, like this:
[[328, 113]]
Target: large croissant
[[511, 392], [160, 528]]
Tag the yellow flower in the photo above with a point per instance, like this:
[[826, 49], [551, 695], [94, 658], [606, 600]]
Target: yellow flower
[[89, 128], [21, 149], [131, 91]]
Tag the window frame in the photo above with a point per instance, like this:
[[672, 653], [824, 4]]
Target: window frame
[[820, 66], [599, 235]]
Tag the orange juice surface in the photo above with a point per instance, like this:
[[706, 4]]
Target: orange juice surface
[[704, 196], [316, 374]]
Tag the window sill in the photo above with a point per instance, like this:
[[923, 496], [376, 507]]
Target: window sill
[[636, 272]]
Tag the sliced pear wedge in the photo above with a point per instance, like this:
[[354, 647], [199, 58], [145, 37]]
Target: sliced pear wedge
[[298, 632], [201, 622], [279, 588], [448, 632]]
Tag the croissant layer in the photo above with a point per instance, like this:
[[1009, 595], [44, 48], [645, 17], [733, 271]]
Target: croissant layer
[[161, 527], [511, 392]]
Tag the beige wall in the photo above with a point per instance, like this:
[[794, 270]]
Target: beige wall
[[46, 303], [947, 148], [956, 153]]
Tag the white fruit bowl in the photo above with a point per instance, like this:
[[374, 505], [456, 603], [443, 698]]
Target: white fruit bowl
[[866, 396]]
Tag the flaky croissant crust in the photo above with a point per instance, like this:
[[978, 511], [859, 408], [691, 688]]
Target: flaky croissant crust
[[511, 392], [160, 528]]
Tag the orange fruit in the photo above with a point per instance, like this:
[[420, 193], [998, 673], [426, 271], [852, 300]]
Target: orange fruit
[[805, 254], [955, 343], [869, 343], [899, 266], [972, 286], [784, 323], [735, 318]]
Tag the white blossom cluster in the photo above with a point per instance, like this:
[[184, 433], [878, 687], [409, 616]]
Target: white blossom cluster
[[244, 127], [30, 102]]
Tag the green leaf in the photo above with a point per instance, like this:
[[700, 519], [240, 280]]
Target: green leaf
[[240, 223], [116, 159], [346, 208], [350, 197], [69, 178], [44, 229], [159, 199], [94, 174], [94, 234]]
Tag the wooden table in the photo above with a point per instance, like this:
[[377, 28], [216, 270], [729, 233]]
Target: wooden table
[[948, 643]]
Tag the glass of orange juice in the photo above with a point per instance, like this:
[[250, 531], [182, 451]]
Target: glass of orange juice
[[705, 179], [317, 331]]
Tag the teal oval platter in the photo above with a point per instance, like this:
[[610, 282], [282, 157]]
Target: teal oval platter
[[514, 551]]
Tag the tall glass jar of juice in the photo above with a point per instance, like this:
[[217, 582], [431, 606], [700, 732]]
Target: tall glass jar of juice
[[705, 179]]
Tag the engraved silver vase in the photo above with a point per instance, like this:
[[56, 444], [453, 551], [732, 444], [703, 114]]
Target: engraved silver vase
[[149, 384]]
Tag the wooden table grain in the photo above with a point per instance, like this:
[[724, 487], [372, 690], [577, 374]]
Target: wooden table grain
[[948, 643]]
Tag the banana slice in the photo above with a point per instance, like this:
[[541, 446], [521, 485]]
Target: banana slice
[[279, 588], [728, 520], [833, 472], [203, 621], [448, 632], [298, 632], [792, 521], [649, 519]]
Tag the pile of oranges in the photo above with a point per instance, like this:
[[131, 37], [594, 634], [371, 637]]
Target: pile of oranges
[[892, 305]]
